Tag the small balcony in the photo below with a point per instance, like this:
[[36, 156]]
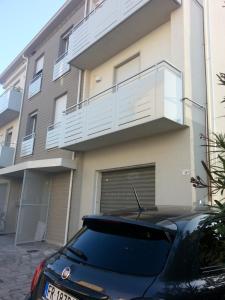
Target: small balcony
[[61, 66], [6, 156], [27, 145], [53, 136], [35, 85], [10, 103], [148, 103], [112, 27]]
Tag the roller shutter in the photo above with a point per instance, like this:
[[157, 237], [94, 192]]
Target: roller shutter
[[117, 193]]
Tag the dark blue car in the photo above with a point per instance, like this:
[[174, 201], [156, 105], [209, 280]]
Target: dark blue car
[[138, 255]]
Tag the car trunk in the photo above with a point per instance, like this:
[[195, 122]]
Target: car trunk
[[110, 259], [90, 283]]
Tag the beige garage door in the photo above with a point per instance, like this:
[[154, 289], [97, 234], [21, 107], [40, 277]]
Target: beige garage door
[[117, 192], [58, 208]]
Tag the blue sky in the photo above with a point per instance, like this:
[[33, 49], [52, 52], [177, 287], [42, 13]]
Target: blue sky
[[20, 20]]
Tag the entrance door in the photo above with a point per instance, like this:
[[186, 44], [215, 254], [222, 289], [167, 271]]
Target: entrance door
[[117, 192], [3, 204], [33, 211]]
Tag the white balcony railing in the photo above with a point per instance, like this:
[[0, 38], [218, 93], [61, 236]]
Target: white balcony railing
[[10, 103], [61, 66], [6, 156], [35, 85], [53, 136], [96, 35], [152, 94], [27, 145]]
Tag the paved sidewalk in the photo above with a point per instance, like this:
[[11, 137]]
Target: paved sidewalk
[[17, 265]]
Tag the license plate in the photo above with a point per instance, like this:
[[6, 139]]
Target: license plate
[[53, 293]]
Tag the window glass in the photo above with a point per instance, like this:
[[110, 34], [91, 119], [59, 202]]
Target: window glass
[[60, 107], [212, 244], [8, 137], [127, 69], [64, 42], [39, 65], [122, 248], [31, 124]]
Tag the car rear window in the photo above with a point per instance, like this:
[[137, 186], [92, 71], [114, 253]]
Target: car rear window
[[121, 247]]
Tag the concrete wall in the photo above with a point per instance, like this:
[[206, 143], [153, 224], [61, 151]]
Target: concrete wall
[[176, 155], [150, 53], [3, 130], [172, 187], [44, 101], [215, 49], [16, 79]]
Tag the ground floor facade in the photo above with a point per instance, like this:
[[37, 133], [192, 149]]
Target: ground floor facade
[[49, 204], [36, 206]]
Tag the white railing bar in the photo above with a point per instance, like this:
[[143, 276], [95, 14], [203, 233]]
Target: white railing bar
[[115, 86], [29, 136], [53, 125], [11, 89], [36, 77], [61, 57], [87, 16]]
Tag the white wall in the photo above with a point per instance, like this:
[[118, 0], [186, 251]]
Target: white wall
[[150, 54], [15, 125], [215, 50]]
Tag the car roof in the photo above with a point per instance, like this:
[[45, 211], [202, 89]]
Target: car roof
[[179, 216]]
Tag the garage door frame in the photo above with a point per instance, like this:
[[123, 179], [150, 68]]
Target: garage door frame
[[98, 181]]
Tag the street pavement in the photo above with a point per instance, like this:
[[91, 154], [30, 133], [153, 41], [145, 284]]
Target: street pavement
[[17, 265]]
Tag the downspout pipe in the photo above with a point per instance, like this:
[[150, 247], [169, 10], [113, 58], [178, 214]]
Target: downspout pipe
[[74, 153], [21, 107]]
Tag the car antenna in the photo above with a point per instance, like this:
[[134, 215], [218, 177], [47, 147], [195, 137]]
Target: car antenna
[[137, 199]]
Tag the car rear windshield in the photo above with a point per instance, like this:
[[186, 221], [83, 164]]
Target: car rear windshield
[[121, 247]]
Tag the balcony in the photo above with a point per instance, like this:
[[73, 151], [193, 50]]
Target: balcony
[[112, 27], [27, 146], [6, 156], [148, 103], [10, 103], [61, 66], [53, 136], [35, 85]]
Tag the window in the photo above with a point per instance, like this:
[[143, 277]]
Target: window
[[121, 247], [17, 84], [60, 107], [212, 244], [39, 65], [8, 137], [127, 69], [31, 123], [93, 4], [64, 42]]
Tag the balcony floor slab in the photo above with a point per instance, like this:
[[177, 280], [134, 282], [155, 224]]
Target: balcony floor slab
[[154, 127]]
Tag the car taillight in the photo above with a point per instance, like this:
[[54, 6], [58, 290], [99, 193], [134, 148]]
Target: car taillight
[[36, 276]]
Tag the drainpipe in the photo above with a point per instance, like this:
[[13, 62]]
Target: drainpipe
[[209, 86], [74, 153], [68, 206], [21, 107]]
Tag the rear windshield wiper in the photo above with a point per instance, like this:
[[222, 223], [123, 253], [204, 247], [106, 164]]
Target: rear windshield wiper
[[77, 252]]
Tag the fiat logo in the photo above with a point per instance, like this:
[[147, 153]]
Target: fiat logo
[[66, 273]]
